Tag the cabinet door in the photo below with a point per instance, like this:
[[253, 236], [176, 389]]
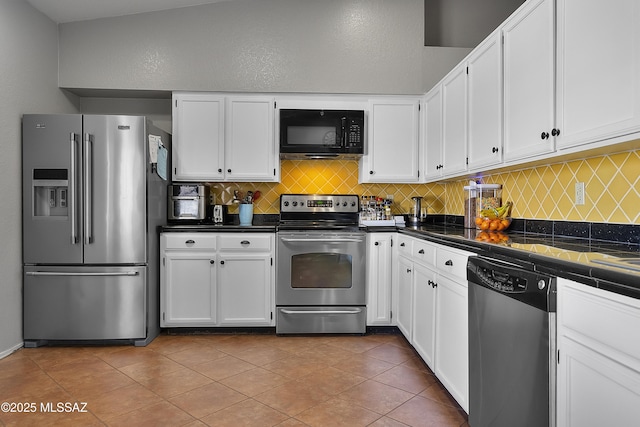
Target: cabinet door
[[529, 81], [598, 66], [188, 289], [594, 390], [250, 152], [405, 296], [454, 122], [485, 103], [452, 334], [424, 313], [245, 285], [432, 153], [379, 279], [198, 137], [393, 141]]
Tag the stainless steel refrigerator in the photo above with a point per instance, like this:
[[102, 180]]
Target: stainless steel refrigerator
[[92, 204]]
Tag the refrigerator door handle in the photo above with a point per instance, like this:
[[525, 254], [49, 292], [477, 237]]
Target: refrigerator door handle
[[72, 190], [88, 202], [68, 273]]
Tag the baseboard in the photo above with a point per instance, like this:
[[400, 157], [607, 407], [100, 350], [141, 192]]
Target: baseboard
[[10, 350]]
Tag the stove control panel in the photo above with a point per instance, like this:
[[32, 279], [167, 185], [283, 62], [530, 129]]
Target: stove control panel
[[336, 203]]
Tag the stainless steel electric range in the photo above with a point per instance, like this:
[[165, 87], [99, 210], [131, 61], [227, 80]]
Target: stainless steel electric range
[[320, 272]]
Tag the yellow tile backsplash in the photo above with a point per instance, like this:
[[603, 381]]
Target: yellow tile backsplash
[[612, 188]]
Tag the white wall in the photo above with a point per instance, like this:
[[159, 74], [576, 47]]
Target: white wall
[[323, 46], [28, 83]]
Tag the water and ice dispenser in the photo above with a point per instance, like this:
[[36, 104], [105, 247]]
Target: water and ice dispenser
[[50, 192]]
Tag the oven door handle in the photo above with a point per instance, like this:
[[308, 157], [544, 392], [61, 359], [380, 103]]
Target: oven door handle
[[355, 311], [306, 240]]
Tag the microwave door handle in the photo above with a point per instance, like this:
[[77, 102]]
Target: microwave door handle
[[343, 133]]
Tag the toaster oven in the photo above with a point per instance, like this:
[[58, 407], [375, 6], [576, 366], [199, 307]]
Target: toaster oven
[[187, 202]]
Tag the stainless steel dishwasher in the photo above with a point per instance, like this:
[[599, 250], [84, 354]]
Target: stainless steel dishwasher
[[512, 345]]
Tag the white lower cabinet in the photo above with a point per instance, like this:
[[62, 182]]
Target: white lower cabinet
[[379, 298], [189, 289], [433, 310], [599, 362], [424, 313], [210, 279], [452, 336]]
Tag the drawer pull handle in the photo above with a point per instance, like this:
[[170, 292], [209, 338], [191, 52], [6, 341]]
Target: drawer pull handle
[[421, 251], [245, 242], [449, 262], [190, 242]]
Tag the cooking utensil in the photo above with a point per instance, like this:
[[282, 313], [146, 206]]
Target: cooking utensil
[[256, 195]]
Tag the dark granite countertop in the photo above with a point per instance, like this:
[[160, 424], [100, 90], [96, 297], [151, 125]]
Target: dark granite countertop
[[592, 262]]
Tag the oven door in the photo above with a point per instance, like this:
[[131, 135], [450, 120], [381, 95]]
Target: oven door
[[319, 268]]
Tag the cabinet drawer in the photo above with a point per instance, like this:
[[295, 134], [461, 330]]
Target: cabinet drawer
[[405, 246], [602, 316], [451, 263], [245, 242], [189, 240], [424, 252]]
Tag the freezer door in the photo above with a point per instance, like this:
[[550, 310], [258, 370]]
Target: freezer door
[[115, 191], [51, 196], [83, 303]]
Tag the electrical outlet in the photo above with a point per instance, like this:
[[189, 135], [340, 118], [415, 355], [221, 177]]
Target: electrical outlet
[[580, 194]]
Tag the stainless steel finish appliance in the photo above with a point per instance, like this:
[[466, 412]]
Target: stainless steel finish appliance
[[220, 213], [512, 345], [187, 202], [92, 203], [313, 134], [320, 272]]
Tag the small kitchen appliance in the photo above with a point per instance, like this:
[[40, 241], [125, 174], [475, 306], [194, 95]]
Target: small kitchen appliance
[[416, 211], [321, 134], [187, 202], [220, 214]]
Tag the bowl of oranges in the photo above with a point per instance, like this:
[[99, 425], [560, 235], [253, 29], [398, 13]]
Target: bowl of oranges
[[495, 219]]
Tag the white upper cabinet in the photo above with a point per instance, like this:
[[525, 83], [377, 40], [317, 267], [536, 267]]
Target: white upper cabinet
[[224, 138], [392, 142], [432, 133], [250, 150], [484, 81], [454, 121], [529, 81], [198, 137], [598, 66]]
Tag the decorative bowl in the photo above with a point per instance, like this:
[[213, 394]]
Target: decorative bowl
[[498, 224]]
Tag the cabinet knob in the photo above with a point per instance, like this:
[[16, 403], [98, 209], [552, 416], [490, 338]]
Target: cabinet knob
[[421, 251], [189, 242], [370, 172], [495, 150], [376, 243], [402, 244], [211, 261], [544, 135], [245, 242], [221, 262], [408, 270], [229, 170], [219, 170], [449, 262], [555, 132]]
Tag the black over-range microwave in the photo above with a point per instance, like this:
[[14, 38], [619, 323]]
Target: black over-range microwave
[[316, 134]]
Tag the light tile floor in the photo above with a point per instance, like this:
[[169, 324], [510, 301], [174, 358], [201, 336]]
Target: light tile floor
[[227, 380]]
